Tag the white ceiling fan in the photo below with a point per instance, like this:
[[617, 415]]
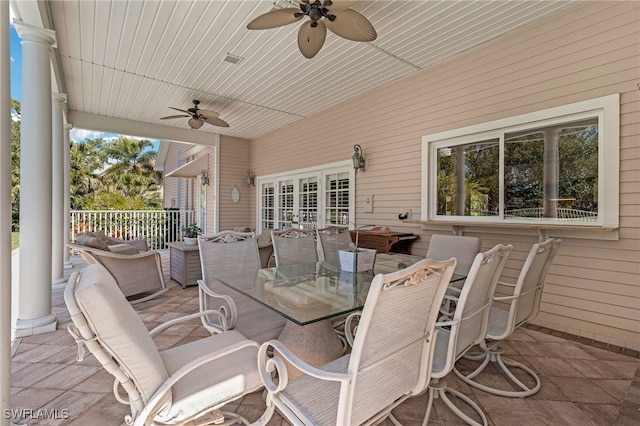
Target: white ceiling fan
[[198, 116], [332, 14]]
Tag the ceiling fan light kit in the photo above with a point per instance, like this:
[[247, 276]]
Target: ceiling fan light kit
[[334, 15]]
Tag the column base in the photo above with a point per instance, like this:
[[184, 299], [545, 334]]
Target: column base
[[67, 264], [61, 280], [24, 328]]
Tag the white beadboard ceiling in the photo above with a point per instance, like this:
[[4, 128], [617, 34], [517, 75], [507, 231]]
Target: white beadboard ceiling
[[133, 59]]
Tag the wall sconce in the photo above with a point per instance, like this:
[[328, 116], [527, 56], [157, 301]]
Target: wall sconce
[[204, 177], [250, 179], [358, 159]]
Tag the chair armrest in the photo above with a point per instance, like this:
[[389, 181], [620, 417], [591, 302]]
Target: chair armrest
[[267, 365], [178, 320], [231, 309], [159, 394]]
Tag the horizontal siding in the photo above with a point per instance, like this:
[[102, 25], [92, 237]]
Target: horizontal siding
[[234, 162], [581, 52]]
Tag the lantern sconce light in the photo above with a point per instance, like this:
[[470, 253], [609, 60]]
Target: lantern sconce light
[[204, 177], [358, 159], [250, 179]]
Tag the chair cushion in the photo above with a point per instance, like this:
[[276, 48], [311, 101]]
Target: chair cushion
[[123, 249], [120, 330], [89, 239], [214, 383]]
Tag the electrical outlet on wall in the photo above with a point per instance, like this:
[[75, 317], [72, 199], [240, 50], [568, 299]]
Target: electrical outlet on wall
[[368, 204]]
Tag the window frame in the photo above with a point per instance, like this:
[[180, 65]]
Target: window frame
[[606, 109]]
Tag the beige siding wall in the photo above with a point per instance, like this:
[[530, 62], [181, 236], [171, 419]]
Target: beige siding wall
[[171, 184], [234, 162], [585, 51]]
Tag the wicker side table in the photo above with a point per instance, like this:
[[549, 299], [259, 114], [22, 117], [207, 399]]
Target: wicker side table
[[184, 263]]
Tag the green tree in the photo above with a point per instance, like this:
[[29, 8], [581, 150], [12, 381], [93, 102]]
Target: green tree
[[86, 160]]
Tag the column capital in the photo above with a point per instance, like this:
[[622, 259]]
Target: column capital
[[31, 33], [59, 98]]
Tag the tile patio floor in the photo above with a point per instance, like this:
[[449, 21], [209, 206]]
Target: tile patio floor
[[581, 384]]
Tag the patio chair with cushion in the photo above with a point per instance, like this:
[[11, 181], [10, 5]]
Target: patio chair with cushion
[[187, 383], [509, 312], [139, 275], [265, 248], [467, 327], [464, 249], [294, 246], [390, 360], [221, 250], [330, 240], [99, 240]]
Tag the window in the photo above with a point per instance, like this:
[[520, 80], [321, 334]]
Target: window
[[557, 166], [307, 198]]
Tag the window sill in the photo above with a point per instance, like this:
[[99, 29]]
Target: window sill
[[543, 231]]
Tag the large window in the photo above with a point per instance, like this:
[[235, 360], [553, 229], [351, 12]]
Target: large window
[[307, 198], [554, 166]]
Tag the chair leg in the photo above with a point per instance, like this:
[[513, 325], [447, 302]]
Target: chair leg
[[494, 354], [438, 389]]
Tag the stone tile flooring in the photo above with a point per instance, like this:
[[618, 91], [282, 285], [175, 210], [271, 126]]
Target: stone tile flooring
[[581, 384]]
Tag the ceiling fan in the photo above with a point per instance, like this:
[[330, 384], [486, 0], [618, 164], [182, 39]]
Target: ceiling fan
[[198, 116], [323, 14]]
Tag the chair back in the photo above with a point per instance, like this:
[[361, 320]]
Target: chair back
[[330, 240], [111, 329], [464, 249], [227, 248], [294, 246], [471, 316], [525, 301], [393, 347]]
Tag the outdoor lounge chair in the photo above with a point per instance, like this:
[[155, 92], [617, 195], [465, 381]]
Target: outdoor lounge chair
[[509, 312], [139, 276], [176, 386], [390, 360], [467, 327], [294, 246]]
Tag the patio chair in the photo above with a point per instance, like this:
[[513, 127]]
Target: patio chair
[[240, 250], [265, 248], [293, 246], [176, 386], [507, 314], [139, 276], [464, 249], [467, 327], [390, 360], [330, 240]]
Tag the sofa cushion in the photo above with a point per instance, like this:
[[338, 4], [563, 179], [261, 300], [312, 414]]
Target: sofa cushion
[[123, 249], [89, 239]]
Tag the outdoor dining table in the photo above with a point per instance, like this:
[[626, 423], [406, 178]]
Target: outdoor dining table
[[309, 295]]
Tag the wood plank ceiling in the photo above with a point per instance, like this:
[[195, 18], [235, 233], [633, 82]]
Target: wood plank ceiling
[[134, 59]]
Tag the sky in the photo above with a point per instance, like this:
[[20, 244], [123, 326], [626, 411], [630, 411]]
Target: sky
[[77, 135]]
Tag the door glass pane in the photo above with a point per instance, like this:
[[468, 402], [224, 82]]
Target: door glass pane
[[337, 199], [267, 209], [285, 204], [308, 202]]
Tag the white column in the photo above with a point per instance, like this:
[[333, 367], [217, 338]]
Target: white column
[[66, 183], [5, 215], [34, 314], [58, 243]]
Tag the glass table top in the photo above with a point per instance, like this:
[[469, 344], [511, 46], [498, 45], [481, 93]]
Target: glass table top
[[306, 293]]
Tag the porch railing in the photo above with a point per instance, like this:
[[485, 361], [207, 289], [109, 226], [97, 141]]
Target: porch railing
[[159, 227]]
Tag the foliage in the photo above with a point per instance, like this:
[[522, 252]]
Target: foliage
[[15, 163], [191, 231], [15, 240]]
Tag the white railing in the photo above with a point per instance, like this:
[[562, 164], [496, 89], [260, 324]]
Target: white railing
[[159, 227]]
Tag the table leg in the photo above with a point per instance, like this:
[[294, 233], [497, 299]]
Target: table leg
[[316, 344]]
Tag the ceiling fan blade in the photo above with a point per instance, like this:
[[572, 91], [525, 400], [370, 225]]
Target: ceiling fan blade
[[276, 18], [174, 116], [352, 25], [340, 4], [181, 110], [215, 121], [207, 114], [311, 39]]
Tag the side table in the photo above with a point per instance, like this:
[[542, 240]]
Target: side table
[[184, 263]]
